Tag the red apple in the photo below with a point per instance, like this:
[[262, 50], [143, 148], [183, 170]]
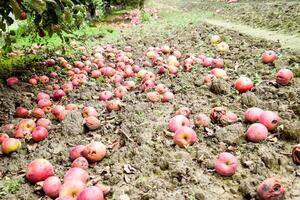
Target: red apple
[[58, 94], [120, 91], [42, 95], [105, 95], [71, 107], [21, 112], [46, 123], [80, 162], [218, 62], [53, 75], [89, 111], [168, 96], [10, 145], [243, 84], [39, 133], [177, 122], [271, 189], [33, 81], [44, 103], [252, 114], [38, 113], [39, 170], [226, 164], [91, 193], [94, 151], [59, 112], [114, 105], [284, 76], [77, 174], [12, 81], [269, 56], [96, 74], [129, 84], [148, 85], [3, 136], [23, 15], [161, 88], [44, 79], [50, 62], [184, 136], [51, 186], [75, 152], [269, 119], [257, 132]]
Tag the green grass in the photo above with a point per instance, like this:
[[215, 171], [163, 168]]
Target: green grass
[[10, 186]]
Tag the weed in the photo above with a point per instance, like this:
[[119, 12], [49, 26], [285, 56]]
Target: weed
[[10, 186]]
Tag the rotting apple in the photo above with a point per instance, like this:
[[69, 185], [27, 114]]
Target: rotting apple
[[269, 119], [80, 162], [92, 123], [184, 111], [271, 189], [94, 151], [201, 120]]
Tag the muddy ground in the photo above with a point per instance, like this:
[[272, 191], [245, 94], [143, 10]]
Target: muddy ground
[[162, 170]]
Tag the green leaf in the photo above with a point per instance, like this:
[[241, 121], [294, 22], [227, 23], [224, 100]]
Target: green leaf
[[39, 6], [68, 3]]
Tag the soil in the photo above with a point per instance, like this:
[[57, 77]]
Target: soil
[[138, 134]]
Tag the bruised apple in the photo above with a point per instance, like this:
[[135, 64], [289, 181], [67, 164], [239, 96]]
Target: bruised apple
[[94, 151]]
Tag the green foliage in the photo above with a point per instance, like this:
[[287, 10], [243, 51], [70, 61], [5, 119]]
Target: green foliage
[[10, 186]]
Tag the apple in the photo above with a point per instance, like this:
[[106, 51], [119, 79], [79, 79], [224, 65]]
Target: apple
[[39, 170], [92, 123], [172, 69], [75, 152], [104, 188], [77, 174], [12, 81], [120, 91], [46, 123], [91, 193], [252, 114], [136, 68], [94, 151], [96, 74], [27, 124], [10, 145], [105, 95], [38, 113], [22, 132], [177, 122], [114, 105], [58, 112], [167, 96], [161, 88], [67, 87], [23, 15], [117, 78], [89, 111], [39, 133], [153, 96], [271, 189], [284, 76], [228, 118], [269, 119], [226, 164], [223, 47], [44, 79], [58, 94], [129, 84], [219, 73], [201, 120], [79, 64], [177, 53], [243, 84], [172, 61], [71, 107], [215, 39], [53, 75], [80, 162], [257, 132], [184, 136], [208, 79], [42, 95], [33, 81], [184, 111], [269, 56], [51, 186], [218, 63], [44, 103], [21, 112], [71, 189], [3, 136], [50, 62]]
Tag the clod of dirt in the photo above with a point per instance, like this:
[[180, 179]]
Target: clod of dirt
[[231, 134], [73, 124], [249, 99], [291, 130], [220, 87]]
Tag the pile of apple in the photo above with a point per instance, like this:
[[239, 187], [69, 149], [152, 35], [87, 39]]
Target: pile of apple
[[74, 186]]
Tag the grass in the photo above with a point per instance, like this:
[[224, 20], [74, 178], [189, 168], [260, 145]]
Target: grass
[[10, 186]]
